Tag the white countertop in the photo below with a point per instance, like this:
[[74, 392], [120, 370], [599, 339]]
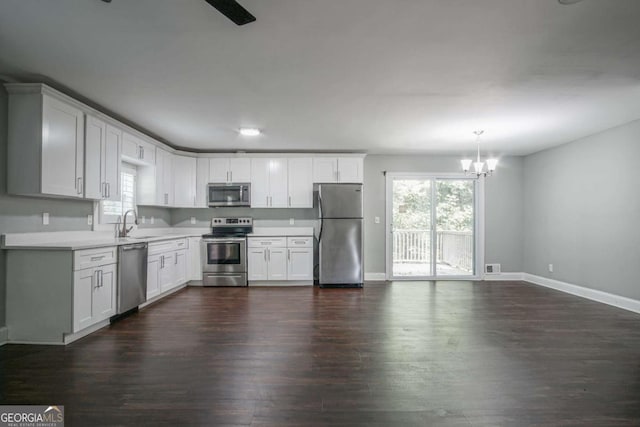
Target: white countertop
[[77, 240], [281, 231]]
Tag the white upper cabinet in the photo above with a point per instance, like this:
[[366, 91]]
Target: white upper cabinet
[[325, 169], [184, 181], [229, 170], [202, 179], [137, 151], [300, 183], [155, 183], [164, 178], [338, 169], [95, 136], [102, 160], [45, 143], [269, 183], [350, 169]]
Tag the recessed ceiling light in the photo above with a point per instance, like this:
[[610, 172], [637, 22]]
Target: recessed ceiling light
[[250, 132], [566, 2]]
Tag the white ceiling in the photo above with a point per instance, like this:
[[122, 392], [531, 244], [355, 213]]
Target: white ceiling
[[380, 76]]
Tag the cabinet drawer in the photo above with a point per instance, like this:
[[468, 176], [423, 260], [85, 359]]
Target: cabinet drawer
[[88, 258], [267, 242], [299, 242], [181, 244], [156, 248]]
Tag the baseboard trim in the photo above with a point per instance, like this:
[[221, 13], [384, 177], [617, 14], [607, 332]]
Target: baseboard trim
[[375, 277], [4, 335], [588, 293], [279, 284], [499, 277]]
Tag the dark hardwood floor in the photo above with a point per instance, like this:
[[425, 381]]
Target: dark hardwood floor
[[400, 354]]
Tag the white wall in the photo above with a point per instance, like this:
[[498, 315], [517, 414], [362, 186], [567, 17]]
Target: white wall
[[582, 212], [503, 210]]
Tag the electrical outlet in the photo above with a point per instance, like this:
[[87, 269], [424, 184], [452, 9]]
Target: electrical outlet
[[550, 268], [144, 219], [292, 221], [376, 220], [492, 268], [45, 218], [193, 220], [153, 220], [89, 219]]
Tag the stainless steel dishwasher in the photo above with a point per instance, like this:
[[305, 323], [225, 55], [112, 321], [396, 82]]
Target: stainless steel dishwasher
[[132, 276]]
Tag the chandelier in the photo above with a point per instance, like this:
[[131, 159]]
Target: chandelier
[[478, 165]]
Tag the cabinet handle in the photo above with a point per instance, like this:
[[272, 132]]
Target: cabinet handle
[[141, 152], [231, 174], [288, 254], [96, 276], [97, 258], [101, 278], [289, 201], [162, 261], [269, 250], [79, 185], [267, 200], [176, 259], [108, 190]]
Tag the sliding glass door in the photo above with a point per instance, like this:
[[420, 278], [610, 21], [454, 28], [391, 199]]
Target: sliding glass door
[[431, 227]]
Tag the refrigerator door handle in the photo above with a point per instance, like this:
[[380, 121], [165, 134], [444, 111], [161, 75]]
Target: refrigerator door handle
[[321, 218]]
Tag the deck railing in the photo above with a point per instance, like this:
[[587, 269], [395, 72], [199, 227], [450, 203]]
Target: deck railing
[[454, 248]]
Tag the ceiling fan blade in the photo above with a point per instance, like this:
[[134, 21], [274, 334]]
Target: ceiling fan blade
[[233, 10]]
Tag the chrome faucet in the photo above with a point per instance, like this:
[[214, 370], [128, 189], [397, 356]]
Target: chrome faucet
[[125, 231]]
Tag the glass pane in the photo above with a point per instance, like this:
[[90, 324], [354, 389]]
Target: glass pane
[[223, 253], [455, 227], [411, 228]]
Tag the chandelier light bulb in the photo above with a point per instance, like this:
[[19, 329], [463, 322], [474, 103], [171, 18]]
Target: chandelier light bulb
[[477, 166], [466, 164], [491, 164]]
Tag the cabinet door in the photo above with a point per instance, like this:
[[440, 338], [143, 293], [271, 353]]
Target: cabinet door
[[153, 276], [257, 264], [259, 183], [180, 268], [350, 169], [300, 182], [240, 170], [130, 146], [167, 178], [166, 275], [104, 295], [325, 169], [147, 153], [219, 170], [62, 149], [277, 263], [278, 183], [202, 179], [84, 282], [195, 258], [111, 162], [184, 181], [95, 135], [300, 264]]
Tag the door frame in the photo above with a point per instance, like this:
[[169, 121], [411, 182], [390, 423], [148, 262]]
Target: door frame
[[478, 223]]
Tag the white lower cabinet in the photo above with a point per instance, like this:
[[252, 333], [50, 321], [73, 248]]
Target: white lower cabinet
[[94, 295], [280, 259], [167, 266], [300, 263]]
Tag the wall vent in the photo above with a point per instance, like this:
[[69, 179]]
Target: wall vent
[[492, 268]]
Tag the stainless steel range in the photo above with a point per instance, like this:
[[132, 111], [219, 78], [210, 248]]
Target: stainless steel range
[[224, 252]]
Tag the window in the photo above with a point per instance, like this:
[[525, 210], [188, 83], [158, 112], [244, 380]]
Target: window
[[111, 211]]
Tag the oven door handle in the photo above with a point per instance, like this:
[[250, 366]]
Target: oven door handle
[[225, 240]]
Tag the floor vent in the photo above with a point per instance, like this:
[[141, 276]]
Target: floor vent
[[492, 268]]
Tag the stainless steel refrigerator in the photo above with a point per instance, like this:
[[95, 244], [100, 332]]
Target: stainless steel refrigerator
[[340, 235]]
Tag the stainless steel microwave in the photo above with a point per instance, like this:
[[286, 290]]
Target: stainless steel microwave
[[221, 195]]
